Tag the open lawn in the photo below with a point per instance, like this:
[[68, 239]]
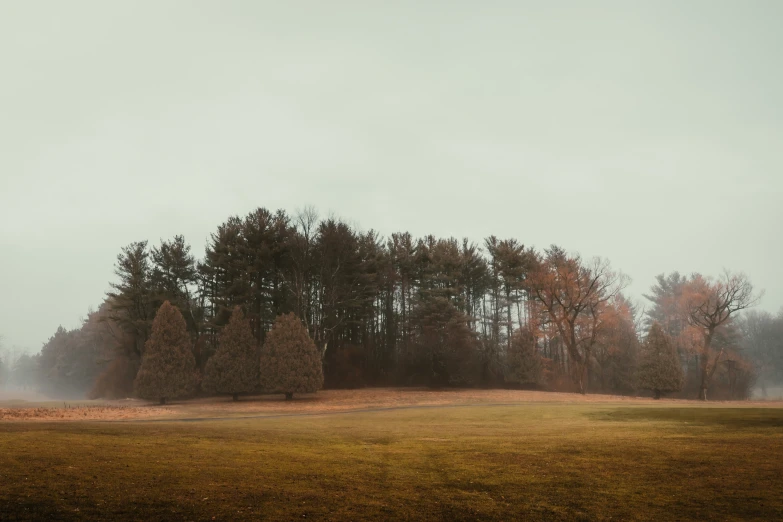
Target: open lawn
[[463, 459]]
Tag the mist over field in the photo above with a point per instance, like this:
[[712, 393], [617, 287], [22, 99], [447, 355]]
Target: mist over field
[[363, 261]]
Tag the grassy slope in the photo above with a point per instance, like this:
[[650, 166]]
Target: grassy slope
[[548, 461]]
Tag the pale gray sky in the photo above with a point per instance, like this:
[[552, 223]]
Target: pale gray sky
[[650, 133]]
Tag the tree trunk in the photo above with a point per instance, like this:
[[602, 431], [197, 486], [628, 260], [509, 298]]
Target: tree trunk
[[704, 378], [509, 326], [235, 397], [583, 375], [657, 394], [706, 375], [289, 396], [163, 400]]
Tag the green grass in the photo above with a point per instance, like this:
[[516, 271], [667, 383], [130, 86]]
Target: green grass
[[533, 461]]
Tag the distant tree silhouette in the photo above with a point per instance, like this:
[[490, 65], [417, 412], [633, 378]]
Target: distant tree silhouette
[[132, 299]]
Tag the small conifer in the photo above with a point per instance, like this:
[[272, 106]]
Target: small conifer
[[168, 366], [233, 369], [290, 362]]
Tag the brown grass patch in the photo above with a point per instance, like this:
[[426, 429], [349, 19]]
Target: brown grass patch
[[79, 413], [329, 401], [326, 401], [532, 461]]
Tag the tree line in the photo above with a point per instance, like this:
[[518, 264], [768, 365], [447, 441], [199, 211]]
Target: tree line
[[421, 312]]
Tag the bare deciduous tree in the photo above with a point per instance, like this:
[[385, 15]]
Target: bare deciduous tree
[[712, 304]]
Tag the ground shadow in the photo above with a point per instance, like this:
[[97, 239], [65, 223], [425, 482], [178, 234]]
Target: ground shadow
[[733, 417]]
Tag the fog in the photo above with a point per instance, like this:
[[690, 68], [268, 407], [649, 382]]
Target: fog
[[358, 260], [647, 134]]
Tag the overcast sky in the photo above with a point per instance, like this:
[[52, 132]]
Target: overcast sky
[[650, 133]]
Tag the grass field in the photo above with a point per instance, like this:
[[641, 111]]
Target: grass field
[[533, 460]]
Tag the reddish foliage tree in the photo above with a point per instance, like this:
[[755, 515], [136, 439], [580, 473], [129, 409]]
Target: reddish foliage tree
[[575, 296]]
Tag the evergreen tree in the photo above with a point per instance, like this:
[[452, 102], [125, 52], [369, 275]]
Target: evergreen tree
[[168, 366], [68, 364], [233, 368], [290, 362], [659, 367], [221, 274], [667, 309], [173, 276], [347, 286], [131, 301], [25, 371]]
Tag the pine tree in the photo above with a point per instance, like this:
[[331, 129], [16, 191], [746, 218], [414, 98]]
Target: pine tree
[[290, 362], [659, 367], [131, 303], [233, 369], [173, 276], [168, 366]]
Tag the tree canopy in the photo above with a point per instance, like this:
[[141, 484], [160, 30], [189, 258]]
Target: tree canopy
[[233, 369], [290, 362], [405, 310], [168, 367]]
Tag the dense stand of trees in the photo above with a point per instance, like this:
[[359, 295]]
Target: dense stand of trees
[[417, 311]]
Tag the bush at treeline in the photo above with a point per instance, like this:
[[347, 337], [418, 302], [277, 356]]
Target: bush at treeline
[[289, 362], [410, 311]]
